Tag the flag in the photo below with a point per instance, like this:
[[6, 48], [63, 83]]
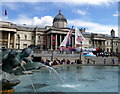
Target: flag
[[5, 12], [80, 38]]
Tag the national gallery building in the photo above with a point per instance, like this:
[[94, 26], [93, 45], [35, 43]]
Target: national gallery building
[[14, 36]]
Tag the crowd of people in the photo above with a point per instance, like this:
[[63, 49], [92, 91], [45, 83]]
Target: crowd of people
[[59, 62], [105, 54], [56, 61]]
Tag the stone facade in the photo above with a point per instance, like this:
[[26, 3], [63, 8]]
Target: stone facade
[[50, 37]]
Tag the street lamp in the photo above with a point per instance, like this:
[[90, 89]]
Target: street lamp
[[81, 52], [52, 56]]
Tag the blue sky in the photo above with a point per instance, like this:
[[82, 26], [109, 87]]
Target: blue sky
[[95, 16]]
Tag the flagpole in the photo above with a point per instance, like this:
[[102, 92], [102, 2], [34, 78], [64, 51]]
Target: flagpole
[[81, 53], [5, 17]]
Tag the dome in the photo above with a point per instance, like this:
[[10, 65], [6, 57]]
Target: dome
[[59, 17]]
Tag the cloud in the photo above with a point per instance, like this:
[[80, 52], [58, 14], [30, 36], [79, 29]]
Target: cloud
[[47, 21], [81, 12], [44, 21], [116, 14], [94, 27], [35, 21]]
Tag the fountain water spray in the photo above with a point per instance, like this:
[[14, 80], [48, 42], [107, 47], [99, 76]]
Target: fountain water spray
[[55, 72], [28, 77]]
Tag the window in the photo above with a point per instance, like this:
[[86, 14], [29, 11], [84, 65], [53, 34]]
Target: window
[[38, 37], [25, 37], [32, 37], [107, 43]]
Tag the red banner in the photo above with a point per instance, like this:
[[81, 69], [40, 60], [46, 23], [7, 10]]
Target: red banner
[[53, 40]]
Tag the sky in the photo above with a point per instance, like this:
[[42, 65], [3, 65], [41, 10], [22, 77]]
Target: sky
[[97, 16]]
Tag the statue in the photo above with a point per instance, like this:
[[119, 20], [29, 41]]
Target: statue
[[8, 84], [11, 60], [16, 62]]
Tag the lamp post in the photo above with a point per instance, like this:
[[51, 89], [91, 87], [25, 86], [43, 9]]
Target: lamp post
[[52, 55], [81, 52]]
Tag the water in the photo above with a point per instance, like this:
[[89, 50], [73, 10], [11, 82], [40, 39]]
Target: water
[[56, 75], [76, 79]]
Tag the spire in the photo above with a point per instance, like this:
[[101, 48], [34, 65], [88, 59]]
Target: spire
[[59, 11]]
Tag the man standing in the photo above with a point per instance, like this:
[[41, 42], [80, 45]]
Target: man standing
[[104, 61]]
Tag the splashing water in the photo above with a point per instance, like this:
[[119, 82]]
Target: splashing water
[[28, 77], [57, 75]]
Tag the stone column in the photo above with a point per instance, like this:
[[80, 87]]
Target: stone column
[[51, 41], [36, 39], [56, 42], [8, 44], [15, 41]]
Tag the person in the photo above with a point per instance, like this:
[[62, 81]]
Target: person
[[42, 61], [88, 61], [47, 62], [62, 61], [104, 61], [68, 61], [93, 61], [113, 61], [32, 57], [78, 61], [61, 49]]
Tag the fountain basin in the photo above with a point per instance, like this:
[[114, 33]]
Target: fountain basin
[[76, 78]]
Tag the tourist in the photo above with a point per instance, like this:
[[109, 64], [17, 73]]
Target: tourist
[[42, 61], [54, 62], [78, 61], [93, 61], [61, 50], [68, 61], [57, 60], [88, 61], [113, 61], [47, 62], [32, 58], [104, 61], [50, 63], [62, 61]]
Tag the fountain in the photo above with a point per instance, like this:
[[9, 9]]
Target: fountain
[[71, 78], [15, 63]]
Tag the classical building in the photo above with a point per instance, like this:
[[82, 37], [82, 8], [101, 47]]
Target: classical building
[[18, 37]]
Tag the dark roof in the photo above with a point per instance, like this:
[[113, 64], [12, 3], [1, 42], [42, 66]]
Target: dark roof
[[59, 17]]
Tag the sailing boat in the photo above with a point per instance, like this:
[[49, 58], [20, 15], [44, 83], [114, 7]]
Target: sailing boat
[[79, 42], [66, 39], [78, 38], [65, 44]]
